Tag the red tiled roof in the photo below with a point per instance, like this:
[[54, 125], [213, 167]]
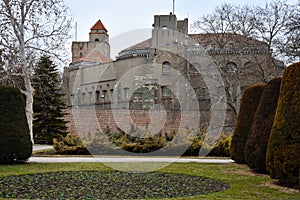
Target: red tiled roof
[[99, 26], [205, 39]]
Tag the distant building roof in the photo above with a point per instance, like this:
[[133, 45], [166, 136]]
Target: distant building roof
[[95, 56], [221, 39], [98, 26], [144, 44], [205, 39]]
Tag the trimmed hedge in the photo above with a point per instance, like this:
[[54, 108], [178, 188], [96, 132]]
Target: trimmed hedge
[[15, 144], [283, 153], [110, 143], [257, 143], [249, 103]]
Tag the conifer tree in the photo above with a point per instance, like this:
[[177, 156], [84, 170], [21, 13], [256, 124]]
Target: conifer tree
[[48, 106]]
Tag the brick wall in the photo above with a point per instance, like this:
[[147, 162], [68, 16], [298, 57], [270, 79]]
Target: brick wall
[[88, 120]]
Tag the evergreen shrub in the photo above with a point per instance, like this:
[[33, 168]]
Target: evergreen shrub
[[283, 153], [15, 143], [248, 107], [256, 145]]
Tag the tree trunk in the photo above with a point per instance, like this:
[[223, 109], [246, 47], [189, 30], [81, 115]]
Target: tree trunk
[[29, 90], [29, 106]]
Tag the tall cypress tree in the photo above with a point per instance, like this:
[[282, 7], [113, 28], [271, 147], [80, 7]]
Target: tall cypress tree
[[48, 106]]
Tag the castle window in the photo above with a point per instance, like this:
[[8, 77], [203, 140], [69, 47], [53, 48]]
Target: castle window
[[164, 27], [166, 68], [97, 95], [165, 91], [231, 67], [80, 54], [97, 40], [104, 95]]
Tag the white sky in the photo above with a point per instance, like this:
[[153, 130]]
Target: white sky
[[119, 16]]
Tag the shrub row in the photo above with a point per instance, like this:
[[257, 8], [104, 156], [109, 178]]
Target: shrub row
[[267, 134], [246, 114], [110, 143]]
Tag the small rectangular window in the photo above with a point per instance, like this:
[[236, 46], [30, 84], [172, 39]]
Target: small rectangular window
[[165, 91], [97, 95]]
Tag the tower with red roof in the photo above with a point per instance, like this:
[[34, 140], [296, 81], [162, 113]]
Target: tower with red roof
[[97, 49]]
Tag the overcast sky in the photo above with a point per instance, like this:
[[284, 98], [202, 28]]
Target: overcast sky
[[120, 16]]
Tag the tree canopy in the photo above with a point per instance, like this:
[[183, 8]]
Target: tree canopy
[[29, 28]]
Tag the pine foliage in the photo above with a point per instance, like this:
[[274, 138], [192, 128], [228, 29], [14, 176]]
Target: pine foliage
[[48, 106]]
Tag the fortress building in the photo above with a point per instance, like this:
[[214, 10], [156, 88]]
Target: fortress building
[[144, 76]]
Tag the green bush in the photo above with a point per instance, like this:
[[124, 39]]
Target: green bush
[[283, 153], [257, 143], [15, 144], [246, 114], [222, 147], [69, 145], [111, 143]]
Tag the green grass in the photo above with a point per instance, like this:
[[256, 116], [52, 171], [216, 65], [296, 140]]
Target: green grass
[[243, 183]]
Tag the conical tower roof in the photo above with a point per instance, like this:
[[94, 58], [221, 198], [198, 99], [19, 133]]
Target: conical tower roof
[[99, 26]]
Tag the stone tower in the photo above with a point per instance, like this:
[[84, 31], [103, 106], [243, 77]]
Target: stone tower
[[169, 33], [97, 49]]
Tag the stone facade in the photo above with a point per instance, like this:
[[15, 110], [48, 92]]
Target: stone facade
[[169, 71]]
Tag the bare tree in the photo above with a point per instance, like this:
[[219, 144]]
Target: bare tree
[[291, 47], [29, 28], [272, 21], [240, 39]]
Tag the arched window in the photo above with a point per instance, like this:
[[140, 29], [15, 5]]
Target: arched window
[[80, 54], [231, 67], [247, 65], [97, 40], [166, 68]]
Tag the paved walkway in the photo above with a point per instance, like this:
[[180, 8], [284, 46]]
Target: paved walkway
[[38, 147], [125, 159], [118, 159]]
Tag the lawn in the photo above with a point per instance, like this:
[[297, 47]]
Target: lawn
[[243, 183]]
